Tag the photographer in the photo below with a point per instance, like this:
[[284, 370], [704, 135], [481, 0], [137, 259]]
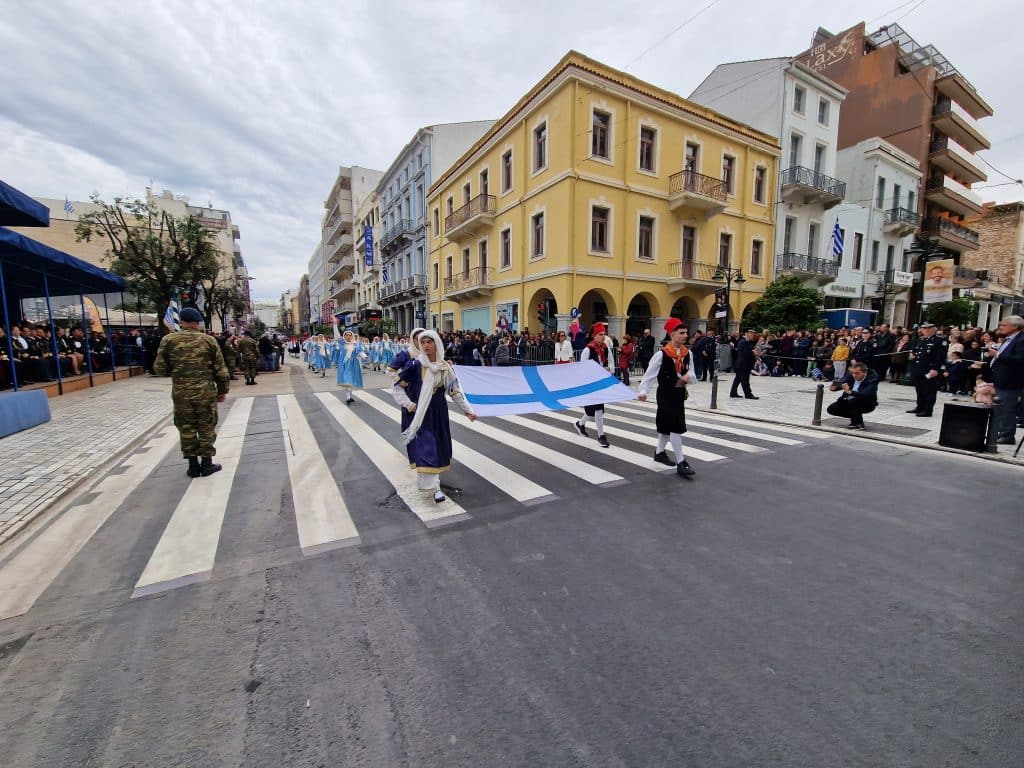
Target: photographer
[[860, 395]]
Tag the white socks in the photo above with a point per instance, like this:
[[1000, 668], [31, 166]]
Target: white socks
[[677, 446], [599, 422], [662, 442]]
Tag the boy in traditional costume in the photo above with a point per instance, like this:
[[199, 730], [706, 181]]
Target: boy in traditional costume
[[670, 366], [601, 352]]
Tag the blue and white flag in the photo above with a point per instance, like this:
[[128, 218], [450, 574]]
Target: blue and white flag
[[510, 390], [68, 206], [837, 242], [384, 273], [171, 321]]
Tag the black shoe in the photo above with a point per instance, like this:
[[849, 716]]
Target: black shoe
[[207, 467], [1006, 441], [923, 413], [684, 469], [732, 395], [914, 411], [603, 441], [581, 429], [438, 497], [193, 466], [662, 458], [855, 426], [751, 397]]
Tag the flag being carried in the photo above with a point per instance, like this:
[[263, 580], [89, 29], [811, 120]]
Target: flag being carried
[[505, 391], [171, 315]]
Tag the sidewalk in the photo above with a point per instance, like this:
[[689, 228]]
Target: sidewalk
[[790, 400]]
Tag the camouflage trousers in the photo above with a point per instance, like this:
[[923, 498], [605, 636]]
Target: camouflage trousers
[[196, 419], [249, 368]]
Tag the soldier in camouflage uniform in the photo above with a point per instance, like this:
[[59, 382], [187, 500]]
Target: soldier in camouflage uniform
[[249, 353], [200, 380]]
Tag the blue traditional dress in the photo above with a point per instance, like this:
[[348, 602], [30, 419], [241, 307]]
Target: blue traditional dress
[[430, 448], [387, 351], [320, 358], [375, 353], [347, 355]]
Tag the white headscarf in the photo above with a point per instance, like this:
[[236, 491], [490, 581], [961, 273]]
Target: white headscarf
[[412, 339], [431, 375]]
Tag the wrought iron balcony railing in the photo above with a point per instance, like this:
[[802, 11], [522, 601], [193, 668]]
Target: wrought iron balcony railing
[[799, 262], [692, 270], [402, 227], [698, 184], [478, 277], [476, 206], [948, 227], [902, 216], [808, 177]]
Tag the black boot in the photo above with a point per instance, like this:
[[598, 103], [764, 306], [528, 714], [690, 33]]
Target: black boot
[[193, 466], [208, 467]]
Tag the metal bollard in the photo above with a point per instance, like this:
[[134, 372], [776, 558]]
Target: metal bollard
[[714, 391], [819, 398], [991, 446]]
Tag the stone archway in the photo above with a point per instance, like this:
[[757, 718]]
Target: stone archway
[[545, 298], [640, 314], [686, 309]]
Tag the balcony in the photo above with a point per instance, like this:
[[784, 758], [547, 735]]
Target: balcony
[[901, 221], [695, 191], [953, 120], [685, 274], [955, 88], [946, 154], [343, 268], [951, 195], [404, 288], [808, 268], [338, 247], [469, 284], [344, 295], [399, 234], [949, 234], [475, 215], [964, 277], [807, 186]]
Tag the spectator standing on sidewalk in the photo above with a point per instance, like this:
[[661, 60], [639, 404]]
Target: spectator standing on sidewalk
[[563, 350], [860, 394], [929, 356], [625, 359], [670, 367], [744, 365], [645, 349], [885, 345], [901, 354], [1007, 369], [199, 381], [840, 355]]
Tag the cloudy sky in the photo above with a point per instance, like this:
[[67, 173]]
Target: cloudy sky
[[253, 105]]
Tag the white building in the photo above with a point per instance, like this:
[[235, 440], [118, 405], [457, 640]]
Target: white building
[[267, 312], [787, 99], [318, 297], [877, 222], [352, 186]]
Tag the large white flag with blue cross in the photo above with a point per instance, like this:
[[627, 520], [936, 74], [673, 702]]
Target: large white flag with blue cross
[[505, 391]]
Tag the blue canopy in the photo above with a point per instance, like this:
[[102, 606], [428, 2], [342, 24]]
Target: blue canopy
[[19, 210], [23, 260]]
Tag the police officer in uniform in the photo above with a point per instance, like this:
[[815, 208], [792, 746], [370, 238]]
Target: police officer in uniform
[[200, 381], [865, 349], [929, 356]]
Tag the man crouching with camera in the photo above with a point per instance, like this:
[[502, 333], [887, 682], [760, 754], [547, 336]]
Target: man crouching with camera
[[860, 395]]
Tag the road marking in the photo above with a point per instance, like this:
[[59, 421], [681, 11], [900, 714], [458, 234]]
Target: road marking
[[321, 516], [33, 567], [694, 453], [733, 444], [721, 427], [515, 485], [188, 546], [393, 464]]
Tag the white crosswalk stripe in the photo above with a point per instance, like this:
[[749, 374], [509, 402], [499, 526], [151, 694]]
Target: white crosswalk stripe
[[526, 472]]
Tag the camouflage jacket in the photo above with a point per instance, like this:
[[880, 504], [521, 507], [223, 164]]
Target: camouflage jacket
[[247, 348], [194, 363]]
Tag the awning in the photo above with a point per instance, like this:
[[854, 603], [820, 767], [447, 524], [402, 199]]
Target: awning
[[24, 260], [19, 210]]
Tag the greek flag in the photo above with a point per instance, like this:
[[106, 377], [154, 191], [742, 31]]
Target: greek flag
[[68, 207], [171, 315], [384, 273], [513, 390], [837, 242]]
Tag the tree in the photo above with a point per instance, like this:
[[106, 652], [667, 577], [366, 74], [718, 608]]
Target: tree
[[152, 250], [786, 304], [958, 312]]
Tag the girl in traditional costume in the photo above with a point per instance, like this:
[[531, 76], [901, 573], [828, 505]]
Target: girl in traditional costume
[[375, 353], [321, 359], [347, 354], [670, 367], [405, 355], [387, 350], [420, 391]]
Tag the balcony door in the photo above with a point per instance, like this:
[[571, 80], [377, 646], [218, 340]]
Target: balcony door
[[691, 162], [689, 250]]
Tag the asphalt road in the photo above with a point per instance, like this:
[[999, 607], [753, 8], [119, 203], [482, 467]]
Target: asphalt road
[[836, 602]]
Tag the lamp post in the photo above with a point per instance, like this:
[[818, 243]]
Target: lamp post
[[730, 276]]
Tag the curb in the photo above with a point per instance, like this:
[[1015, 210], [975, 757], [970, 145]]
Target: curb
[[998, 458], [95, 475]]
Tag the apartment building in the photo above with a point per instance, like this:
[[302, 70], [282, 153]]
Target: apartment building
[[913, 97], [602, 196], [351, 187], [366, 276], [319, 303], [876, 225], [997, 267], [787, 99], [403, 230]]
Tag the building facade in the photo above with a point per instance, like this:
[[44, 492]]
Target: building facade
[[350, 189], [581, 201], [874, 266], [997, 267], [403, 230], [790, 101], [320, 304], [912, 96], [367, 256]]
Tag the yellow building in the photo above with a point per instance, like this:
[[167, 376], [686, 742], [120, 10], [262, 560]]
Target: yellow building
[[600, 192]]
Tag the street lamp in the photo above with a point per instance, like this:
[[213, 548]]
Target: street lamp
[[730, 276]]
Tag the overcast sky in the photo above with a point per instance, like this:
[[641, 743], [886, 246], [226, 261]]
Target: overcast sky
[[252, 106]]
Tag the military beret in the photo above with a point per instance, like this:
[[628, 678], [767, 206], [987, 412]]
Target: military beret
[[189, 315]]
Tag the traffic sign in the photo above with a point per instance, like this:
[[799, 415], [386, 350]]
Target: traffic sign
[[574, 312]]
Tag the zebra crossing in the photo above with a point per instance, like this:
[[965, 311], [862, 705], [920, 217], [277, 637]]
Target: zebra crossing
[[502, 463]]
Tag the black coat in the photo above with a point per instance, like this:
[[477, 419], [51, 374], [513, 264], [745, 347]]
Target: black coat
[[744, 360], [1008, 368], [868, 391]]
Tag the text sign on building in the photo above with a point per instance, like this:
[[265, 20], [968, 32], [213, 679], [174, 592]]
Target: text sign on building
[[902, 278], [368, 239], [848, 291]]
